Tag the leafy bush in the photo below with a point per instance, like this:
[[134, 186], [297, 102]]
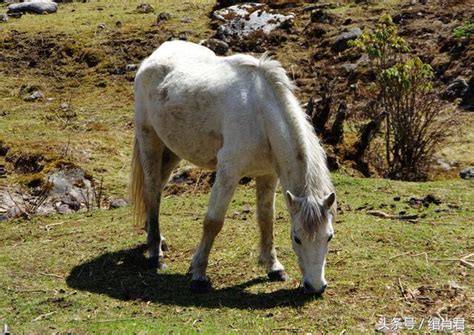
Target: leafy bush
[[415, 124]]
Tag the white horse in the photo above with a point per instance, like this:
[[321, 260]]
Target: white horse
[[236, 115]]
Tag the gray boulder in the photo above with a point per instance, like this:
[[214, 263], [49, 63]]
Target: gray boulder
[[241, 20], [467, 173], [340, 43], [38, 7]]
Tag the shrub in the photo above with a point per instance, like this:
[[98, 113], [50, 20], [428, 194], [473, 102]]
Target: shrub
[[415, 123]]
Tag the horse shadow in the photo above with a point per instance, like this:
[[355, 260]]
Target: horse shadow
[[124, 275]]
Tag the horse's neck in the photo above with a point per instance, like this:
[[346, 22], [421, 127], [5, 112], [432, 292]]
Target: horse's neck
[[289, 152]]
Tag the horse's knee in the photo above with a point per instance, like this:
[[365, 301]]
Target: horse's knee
[[212, 226]]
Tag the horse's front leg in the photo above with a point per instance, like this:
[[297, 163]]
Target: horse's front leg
[[221, 194], [266, 186]]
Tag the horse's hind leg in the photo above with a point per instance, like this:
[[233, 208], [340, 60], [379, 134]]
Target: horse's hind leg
[[221, 194], [155, 164], [168, 163], [266, 186]]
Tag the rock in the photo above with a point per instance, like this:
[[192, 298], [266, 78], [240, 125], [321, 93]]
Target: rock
[[444, 165], [467, 101], [117, 203], [396, 198], [3, 17], [15, 15], [64, 106], [163, 17], [227, 3], [131, 67], [467, 173], [145, 8], [186, 19], [3, 217], [63, 209], [218, 46], [239, 21], [340, 44], [71, 202], [13, 212], [101, 26], [38, 7], [71, 181], [349, 67], [36, 95], [119, 24], [321, 16], [456, 88]]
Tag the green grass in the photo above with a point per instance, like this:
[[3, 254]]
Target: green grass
[[85, 273], [88, 270]]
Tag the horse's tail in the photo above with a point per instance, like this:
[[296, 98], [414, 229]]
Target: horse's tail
[[136, 187]]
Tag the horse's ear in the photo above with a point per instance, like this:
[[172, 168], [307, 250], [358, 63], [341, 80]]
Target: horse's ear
[[329, 201], [293, 200], [290, 197]]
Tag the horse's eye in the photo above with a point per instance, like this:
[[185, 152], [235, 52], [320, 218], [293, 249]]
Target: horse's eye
[[297, 240], [330, 237]]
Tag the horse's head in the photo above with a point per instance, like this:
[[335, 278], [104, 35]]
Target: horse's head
[[311, 231]]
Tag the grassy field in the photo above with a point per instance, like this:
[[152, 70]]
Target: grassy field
[[86, 272]]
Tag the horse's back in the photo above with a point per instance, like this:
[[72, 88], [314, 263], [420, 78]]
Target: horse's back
[[197, 101]]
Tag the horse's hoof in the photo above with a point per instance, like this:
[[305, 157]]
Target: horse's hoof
[[154, 263], [200, 286], [279, 275], [164, 246]]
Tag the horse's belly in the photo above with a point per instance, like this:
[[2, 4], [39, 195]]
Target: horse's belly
[[190, 137]]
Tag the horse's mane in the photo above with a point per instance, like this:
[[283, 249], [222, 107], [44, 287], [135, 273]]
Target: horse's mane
[[318, 183]]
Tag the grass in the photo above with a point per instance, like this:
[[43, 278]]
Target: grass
[[86, 273]]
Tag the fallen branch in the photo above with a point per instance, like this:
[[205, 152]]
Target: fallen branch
[[384, 215]]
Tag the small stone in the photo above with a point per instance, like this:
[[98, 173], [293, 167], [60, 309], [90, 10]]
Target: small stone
[[101, 26], [163, 17], [3, 17], [349, 67], [117, 203], [64, 106], [119, 24], [186, 19], [131, 67], [36, 95], [456, 88], [145, 8], [467, 173], [397, 198], [63, 209]]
